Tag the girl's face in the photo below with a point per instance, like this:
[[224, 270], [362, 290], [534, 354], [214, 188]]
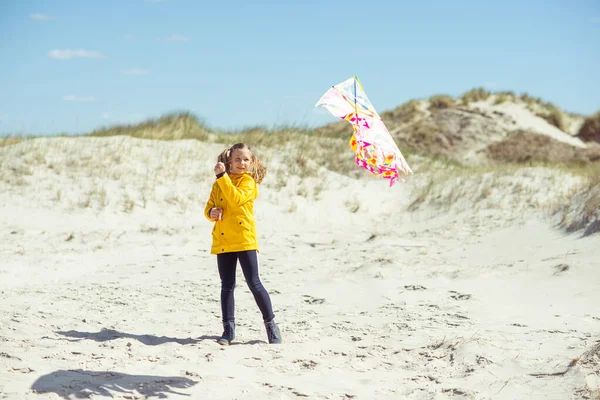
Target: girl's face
[[240, 160]]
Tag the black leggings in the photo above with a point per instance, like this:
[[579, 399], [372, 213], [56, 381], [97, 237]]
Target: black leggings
[[227, 263]]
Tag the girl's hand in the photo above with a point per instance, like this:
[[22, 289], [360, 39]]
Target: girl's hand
[[216, 213], [219, 168]]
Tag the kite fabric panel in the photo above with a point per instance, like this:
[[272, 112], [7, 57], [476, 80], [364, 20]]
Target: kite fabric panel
[[373, 146]]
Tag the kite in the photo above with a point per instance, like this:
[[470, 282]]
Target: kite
[[373, 146]]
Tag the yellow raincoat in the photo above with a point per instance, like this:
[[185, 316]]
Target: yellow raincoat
[[236, 231]]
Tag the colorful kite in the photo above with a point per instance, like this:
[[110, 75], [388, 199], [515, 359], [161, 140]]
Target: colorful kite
[[373, 145]]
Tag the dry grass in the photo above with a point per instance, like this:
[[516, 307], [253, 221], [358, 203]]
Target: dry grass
[[336, 130], [7, 141], [592, 174], [502, 97], [404, 114], [422, 196], [169, 127], [308, 149], [554, 117], [581, 210], [318, 190], [440, 102], [500, 187], [434, 138], [525, 147], [589, 362], [118, 174], [590, 130], [474, 95], [424, 137], [105, 177], [532, 101]]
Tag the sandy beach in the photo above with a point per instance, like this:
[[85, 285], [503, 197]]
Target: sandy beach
[[109, 291]]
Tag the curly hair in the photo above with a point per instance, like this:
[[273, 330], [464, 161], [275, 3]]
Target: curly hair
[[257, 170]]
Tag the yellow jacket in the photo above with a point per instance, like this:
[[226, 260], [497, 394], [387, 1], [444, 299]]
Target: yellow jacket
[[236, 231]]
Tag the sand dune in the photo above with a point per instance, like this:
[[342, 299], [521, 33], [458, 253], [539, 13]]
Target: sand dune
[[109, 290]]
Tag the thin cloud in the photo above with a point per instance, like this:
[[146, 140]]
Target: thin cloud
[[128, 36], [79, 99], [595, 20], [106, 115], [40, 17], [174, 38], [69, 54], [135, 71], [3, 117], [490, 85], [155, 1]]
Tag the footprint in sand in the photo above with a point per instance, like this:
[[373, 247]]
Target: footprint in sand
[[313, 300], [459, 296], [306, 364], [415, 287]]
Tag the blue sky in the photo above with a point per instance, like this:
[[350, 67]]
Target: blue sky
[[72, 66]]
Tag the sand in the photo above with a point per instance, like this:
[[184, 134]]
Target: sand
[[109, 291]]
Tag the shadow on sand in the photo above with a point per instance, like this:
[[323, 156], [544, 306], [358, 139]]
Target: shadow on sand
[[150, 340], [82, 384], [110, 334]]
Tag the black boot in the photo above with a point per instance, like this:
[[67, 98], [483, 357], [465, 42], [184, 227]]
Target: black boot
[[228, 333], [273, 332]]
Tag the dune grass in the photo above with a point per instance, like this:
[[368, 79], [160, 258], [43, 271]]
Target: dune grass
[[590, 130], [555, 117], [442, 182], [441, 101], [174, 126], [503, 97], [474, 95], [7, 141]]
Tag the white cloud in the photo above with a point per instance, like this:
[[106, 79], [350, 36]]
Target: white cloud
[[79, 99], [40, 17], [135, 71], [175, 38], [128, 36], [69, 54]]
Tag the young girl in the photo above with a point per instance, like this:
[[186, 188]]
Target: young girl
[[231, 208]]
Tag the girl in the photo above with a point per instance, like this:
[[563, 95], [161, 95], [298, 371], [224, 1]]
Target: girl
[[231, 208]]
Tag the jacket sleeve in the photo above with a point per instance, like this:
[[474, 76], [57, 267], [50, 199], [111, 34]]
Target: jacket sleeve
[[210, 203], [238, 195]]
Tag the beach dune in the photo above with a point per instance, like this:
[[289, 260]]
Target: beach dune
[[109, 291]]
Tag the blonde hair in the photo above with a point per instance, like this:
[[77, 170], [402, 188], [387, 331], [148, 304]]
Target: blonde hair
[[257, 170]]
